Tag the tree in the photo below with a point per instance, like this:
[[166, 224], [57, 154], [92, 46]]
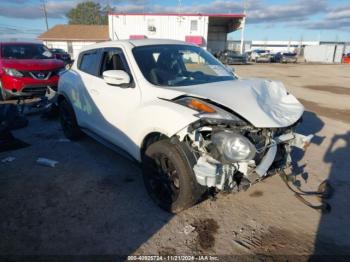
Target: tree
[[89, 13]]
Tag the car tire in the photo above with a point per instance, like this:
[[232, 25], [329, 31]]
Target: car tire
[[3, 95], [68, 121], [169, 178]]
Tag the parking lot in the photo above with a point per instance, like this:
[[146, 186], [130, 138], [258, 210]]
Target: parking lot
[[94, 202]]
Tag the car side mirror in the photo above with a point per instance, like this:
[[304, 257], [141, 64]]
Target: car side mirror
[[116, 77]]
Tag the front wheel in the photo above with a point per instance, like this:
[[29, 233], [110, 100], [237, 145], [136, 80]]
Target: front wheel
[[169, 178]]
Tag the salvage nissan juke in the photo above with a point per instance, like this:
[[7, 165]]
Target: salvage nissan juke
[[192, 123]]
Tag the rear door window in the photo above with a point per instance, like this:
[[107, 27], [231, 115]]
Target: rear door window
[[89, 62]]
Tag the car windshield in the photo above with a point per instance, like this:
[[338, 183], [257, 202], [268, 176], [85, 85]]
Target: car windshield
[[179, 65], [25, 51]]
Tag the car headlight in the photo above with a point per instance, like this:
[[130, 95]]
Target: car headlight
[[206, 110], [233, 147], [13, 72]]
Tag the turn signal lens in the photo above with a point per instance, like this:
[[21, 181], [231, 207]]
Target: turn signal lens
[[200, 106]]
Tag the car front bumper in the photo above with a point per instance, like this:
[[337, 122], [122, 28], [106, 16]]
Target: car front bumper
[[211, 174], [25, 86]]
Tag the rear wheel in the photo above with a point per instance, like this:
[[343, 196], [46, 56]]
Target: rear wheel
[[68, 121], [169, 178]]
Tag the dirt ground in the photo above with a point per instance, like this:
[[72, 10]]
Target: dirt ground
[[94, 202]]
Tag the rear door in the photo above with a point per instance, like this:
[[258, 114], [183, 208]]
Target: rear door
[[88, 66]]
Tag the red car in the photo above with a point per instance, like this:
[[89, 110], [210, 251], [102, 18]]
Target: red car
[[27, 69]]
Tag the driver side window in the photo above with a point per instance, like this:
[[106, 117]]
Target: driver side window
[[114, 59]]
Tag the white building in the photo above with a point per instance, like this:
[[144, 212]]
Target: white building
[[206, 30], [282, 46], [272, 46], [72, 38]]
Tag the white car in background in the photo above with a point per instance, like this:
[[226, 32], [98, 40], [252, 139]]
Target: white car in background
[[261, 56], [187, 118]]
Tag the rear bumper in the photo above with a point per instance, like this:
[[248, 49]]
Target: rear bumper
[[14, 86], [289, 60], [237, 60], [263, 59]]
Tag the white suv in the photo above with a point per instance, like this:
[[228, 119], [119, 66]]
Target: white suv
[[188, 119]]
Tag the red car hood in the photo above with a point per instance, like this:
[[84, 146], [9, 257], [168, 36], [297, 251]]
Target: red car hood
[[32, 64]]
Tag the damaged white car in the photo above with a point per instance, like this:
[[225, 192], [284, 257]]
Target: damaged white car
[[192, 123]]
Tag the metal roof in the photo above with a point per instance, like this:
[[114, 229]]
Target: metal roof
[[180, 14]]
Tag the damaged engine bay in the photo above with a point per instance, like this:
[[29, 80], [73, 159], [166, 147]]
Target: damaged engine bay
[[233, 155]]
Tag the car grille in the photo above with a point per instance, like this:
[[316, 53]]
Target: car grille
[[35, 90], [41, 75]]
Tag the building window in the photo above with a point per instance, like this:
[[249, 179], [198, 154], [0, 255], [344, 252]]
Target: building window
[[194, 25], [151, 26]]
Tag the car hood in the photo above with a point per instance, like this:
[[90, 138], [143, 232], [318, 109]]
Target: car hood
[[262, 102], [32, 64]]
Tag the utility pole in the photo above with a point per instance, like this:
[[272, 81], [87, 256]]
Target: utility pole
[[243, 26], [45, 15], [301, 45], [289, 44]]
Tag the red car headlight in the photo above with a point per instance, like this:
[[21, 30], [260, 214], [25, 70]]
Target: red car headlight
[[13, 72]]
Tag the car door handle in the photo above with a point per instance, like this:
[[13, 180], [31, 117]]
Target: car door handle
[[94, 92]]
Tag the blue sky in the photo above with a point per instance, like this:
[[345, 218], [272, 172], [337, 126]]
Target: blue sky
[[327, 20]]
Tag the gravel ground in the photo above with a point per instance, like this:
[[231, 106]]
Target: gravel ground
[[94, 202]]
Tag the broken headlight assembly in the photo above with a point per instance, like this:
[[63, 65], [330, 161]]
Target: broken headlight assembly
[[233, 147], [206, 110]]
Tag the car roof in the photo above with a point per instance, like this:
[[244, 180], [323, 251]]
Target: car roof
[[143, 42], [136, 42]]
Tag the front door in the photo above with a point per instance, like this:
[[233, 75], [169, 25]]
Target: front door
[[112, 104]]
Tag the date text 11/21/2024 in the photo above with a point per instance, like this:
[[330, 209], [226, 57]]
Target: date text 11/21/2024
[[172, 258]]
